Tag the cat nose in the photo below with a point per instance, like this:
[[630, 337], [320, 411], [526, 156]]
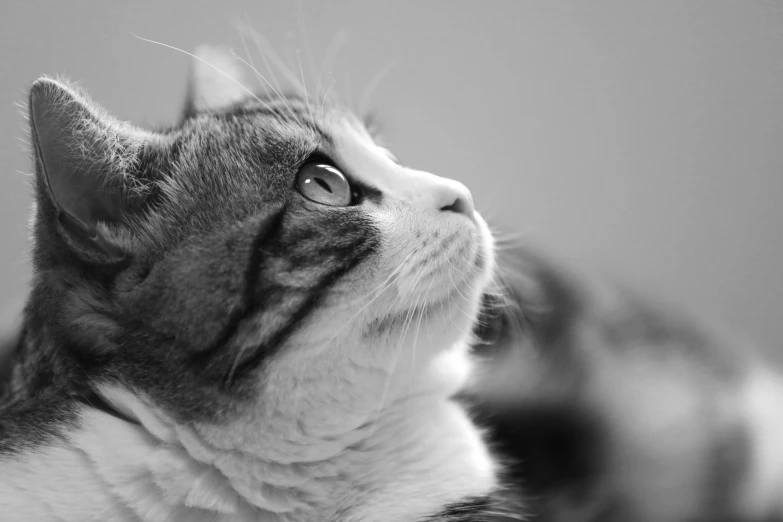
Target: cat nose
[[443, 194], [457, 198]]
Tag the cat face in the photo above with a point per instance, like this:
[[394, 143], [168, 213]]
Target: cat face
[[265, 255]]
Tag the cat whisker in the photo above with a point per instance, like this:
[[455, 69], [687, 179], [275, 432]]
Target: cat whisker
[[205, 62], [393, 368], [448, 260], [503, 244], [276, 86], [347, 91], [503, 235], [379, 290], [517, 317], [306, 41], [456, 287], [338, 41], [304, 86], [325, 97], [405, 327], [268, 67], [501, 300], [418, 327], [250, 62], [266, 50], [261, 79], [504, 271], [373, 85], [459, 308]]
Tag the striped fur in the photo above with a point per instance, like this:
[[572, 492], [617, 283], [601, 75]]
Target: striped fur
[[202, 342]]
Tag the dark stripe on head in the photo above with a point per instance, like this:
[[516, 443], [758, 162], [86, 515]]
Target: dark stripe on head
[[315, 295], [269, 228]]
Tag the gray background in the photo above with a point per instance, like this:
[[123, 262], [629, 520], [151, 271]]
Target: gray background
[[640, 139]]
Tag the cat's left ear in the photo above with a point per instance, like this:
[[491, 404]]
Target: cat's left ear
[[86, 169], [218, 79]]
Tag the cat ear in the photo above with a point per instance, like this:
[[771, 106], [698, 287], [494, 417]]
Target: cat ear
[[85, 164], [218, 79]]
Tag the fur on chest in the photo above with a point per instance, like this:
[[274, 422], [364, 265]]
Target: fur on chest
[[110, 469]]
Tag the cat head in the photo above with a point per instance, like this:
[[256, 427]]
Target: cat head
[[263, 255]]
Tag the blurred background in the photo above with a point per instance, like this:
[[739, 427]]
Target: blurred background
[[638, 139]]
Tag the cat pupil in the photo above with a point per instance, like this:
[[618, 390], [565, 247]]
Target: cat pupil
[[324, 184]]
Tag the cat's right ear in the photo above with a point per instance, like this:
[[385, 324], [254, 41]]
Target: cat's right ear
[[86, 177], [218, 79]]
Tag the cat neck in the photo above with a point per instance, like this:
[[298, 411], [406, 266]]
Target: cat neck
[[420, 447], [412, 442]]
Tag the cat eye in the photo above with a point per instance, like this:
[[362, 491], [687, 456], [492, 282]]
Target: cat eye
[[324, 184]]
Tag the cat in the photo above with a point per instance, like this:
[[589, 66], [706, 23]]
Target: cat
[[131, 397], [255, 314]]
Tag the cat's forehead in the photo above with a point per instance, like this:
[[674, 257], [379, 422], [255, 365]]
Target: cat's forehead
[[224, 166], [296, 116], [270, 137]]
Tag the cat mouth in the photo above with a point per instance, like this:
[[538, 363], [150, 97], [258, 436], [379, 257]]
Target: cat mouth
[[451, 283], [445, 284], [458, 272]]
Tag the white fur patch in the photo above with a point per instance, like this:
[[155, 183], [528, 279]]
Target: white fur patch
[[423, 450], [762, 401]]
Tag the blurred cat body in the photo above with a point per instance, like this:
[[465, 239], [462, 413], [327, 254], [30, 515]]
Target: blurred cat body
[[612, 407], [215, 334]]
